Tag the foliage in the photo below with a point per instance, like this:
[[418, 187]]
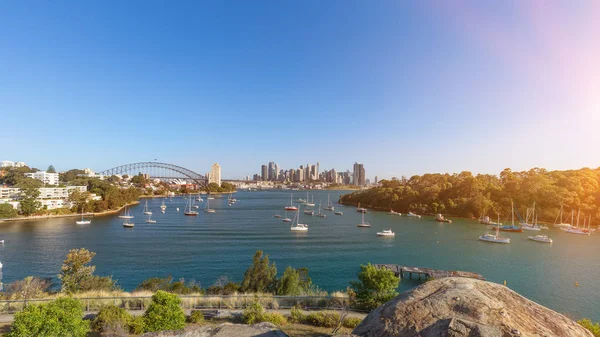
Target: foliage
[[351, 322], [12, 175], [166, 284], [327, 319], [375, 287], [136, 325], [111, 319], [7, 211], [224, 188], [294, 282], [593, 328], [139, 180], [223, 286], [61, 317], [164, 313], [76, 273], [79, 200], [296, 315], [69, 175], [467, 195], [29, 194], [29, 287], [260, 276], [254, 313], [196, 316], [275, 318], [51, 169]]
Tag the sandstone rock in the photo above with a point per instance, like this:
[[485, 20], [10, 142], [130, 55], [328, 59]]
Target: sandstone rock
[[461, 307], [223, 330]]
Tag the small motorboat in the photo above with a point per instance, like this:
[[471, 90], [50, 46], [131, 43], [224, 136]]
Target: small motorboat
[[83, 222], [209, 210], [339, 213], [196, 206], [540, 238], [386, 232], [277, 216], [150, 221], [494, 238], [128, 224], [1, 241], [309, 212], [413, 215], [177, 209], [440, 218], [392, 212], [287, 220]]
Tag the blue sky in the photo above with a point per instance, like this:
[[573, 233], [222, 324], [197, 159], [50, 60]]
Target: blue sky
[[403, 87]]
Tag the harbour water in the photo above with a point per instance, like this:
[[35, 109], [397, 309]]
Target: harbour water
[[208, 246]]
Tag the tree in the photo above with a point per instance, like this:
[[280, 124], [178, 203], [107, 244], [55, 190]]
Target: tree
[[294, 282], [70, 175], [61, 317], [79, 200], [30, 191], [375, 287], [164, 313], [29, 287], [7, 211], [260, 276], [76, 270], [51, 169]]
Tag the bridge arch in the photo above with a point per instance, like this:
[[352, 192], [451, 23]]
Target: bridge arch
[[157, 170]]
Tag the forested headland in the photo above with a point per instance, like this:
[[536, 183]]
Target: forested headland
[[468, 195]]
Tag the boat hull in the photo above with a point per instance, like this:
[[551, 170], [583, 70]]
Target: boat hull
[[293, 208], [504, 241], [190, 213]]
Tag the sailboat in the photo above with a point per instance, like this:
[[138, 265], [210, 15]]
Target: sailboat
[[321, 215], [495, 238], [530, 215], [199, 198], [163, 207], [83, 221], [512, 227], [562, 224], [149, 220], [363, 223], [576, 229], [360, 209], [291, 207], [298, 226], [312, 202], [208, 209], [128, 224], [329, 207], [188, 208], [286, 219], [126, 214], [146, 210]]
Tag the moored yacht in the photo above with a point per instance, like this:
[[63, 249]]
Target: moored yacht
[[146, 210], [413, 215], [440, 218], [339, 213], [392, 212], [286, 219], [329, 206], [298, 227], [540, 238], [126, 214], [188, 208], [386, 232], [360, 209], [83, 221], [291, 207], [363, 223], [128, 224], [208, 209], [494, 238]]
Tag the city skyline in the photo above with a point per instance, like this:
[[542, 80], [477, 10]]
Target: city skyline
[[406, 88]]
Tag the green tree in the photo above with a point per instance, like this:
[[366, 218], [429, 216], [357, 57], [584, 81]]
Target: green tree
[[294, 282], [70, 175], [30, 191], [593, 328], [76, 269], [7, 211], [164, 313], [51, 169], [61, 317], [375, 286], [260, 276], [79, 201]]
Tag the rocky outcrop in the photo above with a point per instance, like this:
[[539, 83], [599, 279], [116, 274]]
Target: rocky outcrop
[[461, 307], [223, 330]]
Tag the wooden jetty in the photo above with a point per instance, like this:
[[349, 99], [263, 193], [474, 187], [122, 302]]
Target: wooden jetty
[[401, 271]]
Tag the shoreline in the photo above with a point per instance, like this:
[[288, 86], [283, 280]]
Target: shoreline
[[92, 214]]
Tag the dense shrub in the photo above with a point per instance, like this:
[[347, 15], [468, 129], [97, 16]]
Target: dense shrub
[[254, 313], [112, 319], [61, 317], [275, 318], [136, 325], [166, 284], [351, 322], [375, 287], [228, 288], [594, 328], [297, 316], [327, 319], [196, 317], [29, 287], [99, 283], [164, 313]]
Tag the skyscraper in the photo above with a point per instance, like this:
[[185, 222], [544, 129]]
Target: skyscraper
[[264, 173], [215, 174], [358, 175], [271, 173]]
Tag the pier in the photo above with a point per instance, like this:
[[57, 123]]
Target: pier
[[402, 271]]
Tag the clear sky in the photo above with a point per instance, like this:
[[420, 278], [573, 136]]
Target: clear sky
[[405, 87]]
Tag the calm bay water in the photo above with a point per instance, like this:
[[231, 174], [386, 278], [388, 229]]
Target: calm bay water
[[208, 246]]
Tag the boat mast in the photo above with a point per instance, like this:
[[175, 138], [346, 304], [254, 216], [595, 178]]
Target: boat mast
[[512, 207], [578, 211]]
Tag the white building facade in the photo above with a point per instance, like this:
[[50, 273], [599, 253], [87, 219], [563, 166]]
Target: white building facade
[[215, 174], [47, 178]]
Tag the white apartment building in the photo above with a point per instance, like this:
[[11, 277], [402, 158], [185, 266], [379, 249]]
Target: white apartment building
[[8, 163], [47, 178], [51, 197], [215, 174]]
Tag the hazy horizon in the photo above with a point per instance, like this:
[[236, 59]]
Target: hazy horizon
[[404, 88]]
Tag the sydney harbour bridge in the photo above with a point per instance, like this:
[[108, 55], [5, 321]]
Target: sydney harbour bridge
[[157, 170]]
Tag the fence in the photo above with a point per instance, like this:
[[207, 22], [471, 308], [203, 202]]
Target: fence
[[196, 302]]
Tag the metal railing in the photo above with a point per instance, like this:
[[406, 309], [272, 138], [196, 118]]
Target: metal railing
[[231, 302]]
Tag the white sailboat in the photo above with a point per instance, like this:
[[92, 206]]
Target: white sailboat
[[576, 229], [188, 208], [320, 214], [128, 224], [562, 224], [163, 207], [208, 209], [329, 206], [495, 238], [146, 210], [126, 214], [83, 221], [363, 223], [298, 227], [312, 202], [286, 219], [149, 220], [530, 216]]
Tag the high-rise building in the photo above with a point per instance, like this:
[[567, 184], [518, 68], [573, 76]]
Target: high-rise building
[[271, 171], [375, 180], [264, 173], [358, 175], [47, 178], [215, 174]]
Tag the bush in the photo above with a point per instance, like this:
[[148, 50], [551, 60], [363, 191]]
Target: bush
[[594, 328], [29, 287], [166, 284], [99, 283], [254, 313], [324, 319], [196, 317], [275, 318], [297, 316], [164, 313], [136, 325], [111, 319], [61, 317], [375, 287], [351, 322]]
